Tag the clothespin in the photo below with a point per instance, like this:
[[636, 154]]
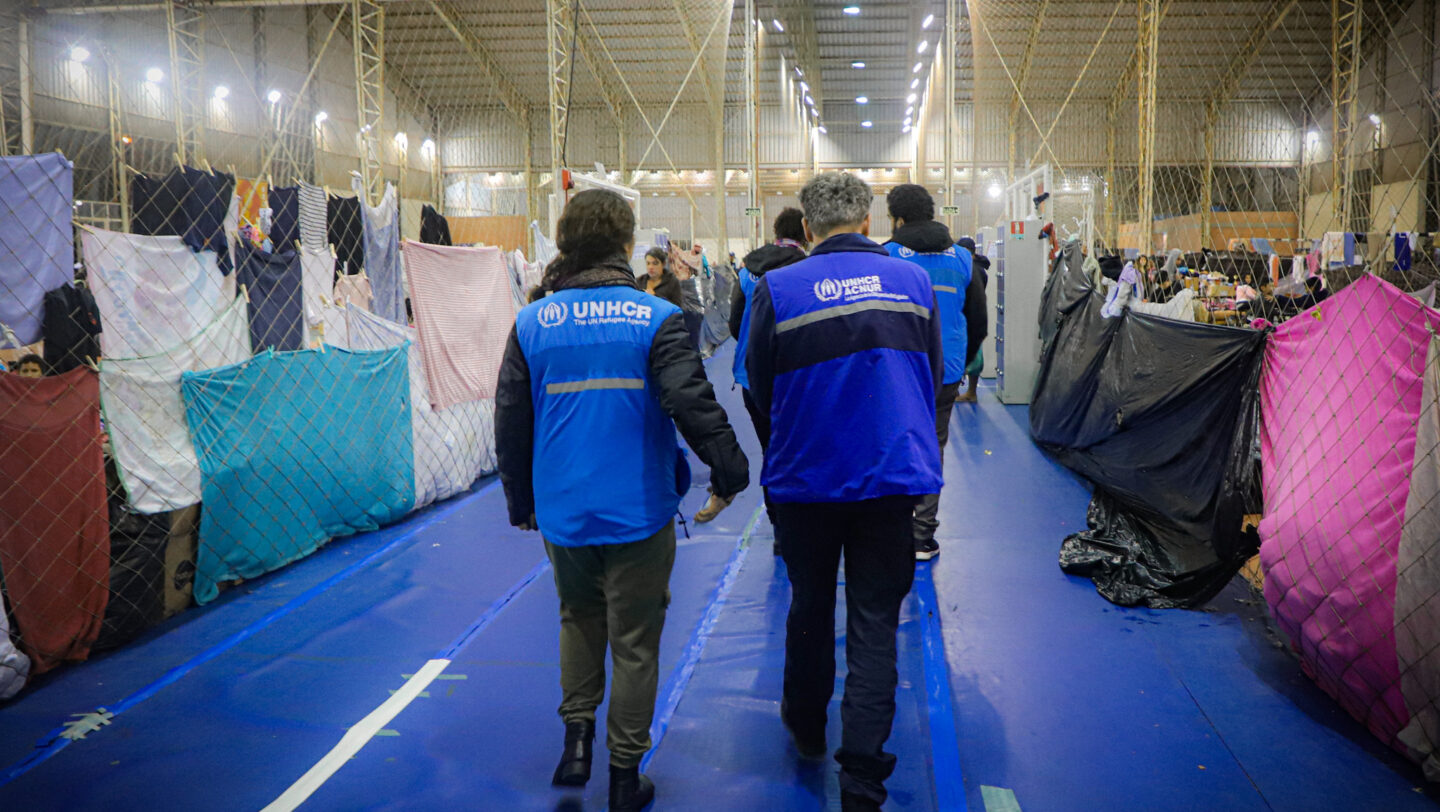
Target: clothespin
[[245, 291], [93, 363], [179, 163]]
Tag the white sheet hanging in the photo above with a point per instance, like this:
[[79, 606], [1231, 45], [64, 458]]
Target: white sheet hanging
[[153, 292], [145, 413], [454, 446]]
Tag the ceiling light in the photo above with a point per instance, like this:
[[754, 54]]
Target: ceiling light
[[858, 65], [1374, 119], [822, 128], [1312, 136], [79, 53], [321, 116], [778, 26], [221, 91], [862, 99], [851, 10], [914, 83], [428, 146], [907, 120], [125, 139], [805, 87], [273, 97], [909, 110], [799, 72], [809, 100], [910, 99], [154, 75], [924, 43], [929, 18], [402, 140], [867, 124], [994, 190], [814, 112], [905, 129], [917, 67]]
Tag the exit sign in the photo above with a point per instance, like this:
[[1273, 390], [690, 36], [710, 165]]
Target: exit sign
[[752, 211], [948, 210]]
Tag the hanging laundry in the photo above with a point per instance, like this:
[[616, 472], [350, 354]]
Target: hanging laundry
[[434, 228], [382, 255], [155, 205], [232, 227], [312, 208], [332, 456], [152, 292], [545, 249], [454, 446], [37, 244], [316, 275], [346, 232], [71, 328], [138, 545], [1404, 250], [272, 282], [206, 208], [14, 665], [1312, 263], [464, 311], [285, 218], [55, 536], [353, 289], [334, 327], [145, 414]]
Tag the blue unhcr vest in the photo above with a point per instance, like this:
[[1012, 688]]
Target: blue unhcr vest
[[853, 405], [607, 466], [748, 281], [950, 274]]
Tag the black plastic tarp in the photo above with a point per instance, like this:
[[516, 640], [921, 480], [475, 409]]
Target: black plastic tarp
[[1162, 416]]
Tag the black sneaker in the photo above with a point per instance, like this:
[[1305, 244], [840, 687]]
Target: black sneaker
[[926, 550]]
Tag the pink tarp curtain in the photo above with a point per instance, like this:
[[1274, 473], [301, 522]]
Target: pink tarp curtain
[[464, 309], [1341, 395]]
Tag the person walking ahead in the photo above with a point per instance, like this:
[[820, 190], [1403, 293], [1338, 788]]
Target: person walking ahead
[[593, 376], [917, 237], [845, 357]]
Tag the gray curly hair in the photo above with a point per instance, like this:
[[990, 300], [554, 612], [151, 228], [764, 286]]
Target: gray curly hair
[[835, 199]]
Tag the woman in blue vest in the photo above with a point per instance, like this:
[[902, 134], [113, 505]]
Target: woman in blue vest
[[597, 375]]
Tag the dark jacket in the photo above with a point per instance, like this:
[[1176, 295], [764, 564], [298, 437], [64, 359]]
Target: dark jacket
[[676, 376], [757, 262], [668, 289], [977, 312]]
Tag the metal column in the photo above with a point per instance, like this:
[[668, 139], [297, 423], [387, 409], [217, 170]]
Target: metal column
[[752, 123], [947, 109], [27, 93], [115, 107], [1148, 68], [186, 31], [367, 38], [559, 24], [1345, 21]]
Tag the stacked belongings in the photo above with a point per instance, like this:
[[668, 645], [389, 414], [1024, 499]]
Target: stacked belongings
[[1162, 417]]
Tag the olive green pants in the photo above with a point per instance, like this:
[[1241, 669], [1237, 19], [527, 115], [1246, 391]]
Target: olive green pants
[[615, 595]]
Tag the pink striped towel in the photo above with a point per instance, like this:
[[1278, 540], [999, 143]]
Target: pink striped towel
[[464, 310]]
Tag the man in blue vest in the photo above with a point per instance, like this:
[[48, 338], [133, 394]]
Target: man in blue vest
[[845, 357], [917, 237], [596, 377], [788, 249]]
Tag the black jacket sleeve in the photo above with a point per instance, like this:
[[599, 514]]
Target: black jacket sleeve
[[515, 432], [686, 395], [737, 310], [937, 348], [760, 352], [669, 290], [977, 316]]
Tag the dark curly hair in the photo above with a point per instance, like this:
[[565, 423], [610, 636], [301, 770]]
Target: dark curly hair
[[596, 225], [911, 202], [790, 225]]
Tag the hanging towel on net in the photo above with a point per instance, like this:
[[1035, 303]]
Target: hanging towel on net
[[353, 289], [55, 541], [145, 414], [284, 217], [1404, 246], [382, 255], [312, 214], [37, 244], [317, 285], [464, 310], [273, 284], [331, 457], [152, 292], [454, 446], [346, 232]]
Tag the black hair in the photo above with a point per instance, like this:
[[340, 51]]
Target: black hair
[[31, 358], [911, 202], [596, 225], [659, 253], [790, 225]]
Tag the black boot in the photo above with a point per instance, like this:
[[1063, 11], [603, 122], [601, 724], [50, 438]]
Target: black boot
[[629, 790], [574, 767]]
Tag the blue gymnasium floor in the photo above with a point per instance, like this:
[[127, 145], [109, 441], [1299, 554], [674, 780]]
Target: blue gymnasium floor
[[1058, 700]]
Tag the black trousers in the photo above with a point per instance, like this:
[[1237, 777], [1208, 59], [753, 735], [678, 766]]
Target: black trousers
[[928, 509], [761, 421], [875, 536]]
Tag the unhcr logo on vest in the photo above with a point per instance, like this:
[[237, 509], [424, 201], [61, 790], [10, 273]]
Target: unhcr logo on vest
[[856, 287], [827, 290], [552, 315], [610, 311]]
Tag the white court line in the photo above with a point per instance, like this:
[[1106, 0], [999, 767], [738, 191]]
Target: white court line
[[355, 738]]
